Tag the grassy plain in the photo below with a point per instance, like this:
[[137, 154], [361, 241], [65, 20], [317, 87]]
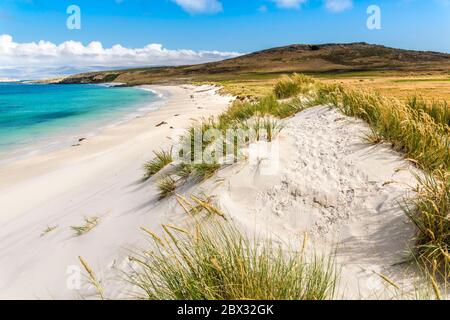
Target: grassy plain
[[401, 85]]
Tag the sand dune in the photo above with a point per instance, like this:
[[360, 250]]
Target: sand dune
[[321, 178], [341, 191]]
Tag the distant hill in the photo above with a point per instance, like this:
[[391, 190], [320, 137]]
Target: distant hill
[[294, 58]]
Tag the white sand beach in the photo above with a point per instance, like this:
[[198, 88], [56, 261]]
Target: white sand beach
[[329, 183], [101, 177]]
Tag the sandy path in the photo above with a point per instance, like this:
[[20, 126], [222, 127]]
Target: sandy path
[[99, 178]]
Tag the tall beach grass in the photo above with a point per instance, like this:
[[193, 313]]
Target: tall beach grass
[[162, 159], [418, 129], [261, 116], [218, 262], [293, 85], [430, 213]]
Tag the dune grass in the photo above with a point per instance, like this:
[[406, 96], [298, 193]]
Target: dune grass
[[417, 128], [421, 131], [430, 213], [166, 187], [217, 262], [183, 170], [48, 230], [261, 127], [203, 171], [271, 127], [161, 160], [293, 85], [269, 105], [410, 131], [259, 116], [89, 224], [418, 131], [438, 110]]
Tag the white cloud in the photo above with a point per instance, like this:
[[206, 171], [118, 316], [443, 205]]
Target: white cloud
[[36, 58], [330, 5], [289, 4], [338, 5], [200, 6]]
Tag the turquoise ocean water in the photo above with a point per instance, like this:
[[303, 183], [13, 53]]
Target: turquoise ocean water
[[35, 116]]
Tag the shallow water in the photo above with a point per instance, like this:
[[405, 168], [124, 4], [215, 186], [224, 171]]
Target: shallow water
[[38, 116]]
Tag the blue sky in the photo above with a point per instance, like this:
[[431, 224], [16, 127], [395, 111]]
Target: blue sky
[[226, 26]]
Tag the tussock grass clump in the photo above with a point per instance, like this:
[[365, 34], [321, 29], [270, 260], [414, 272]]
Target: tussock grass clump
[[183, 170], [409, 130], [271, 128], [288, 109], [214, 153], [293, 85], [204, 170], [161, 160], [89, 224], [240, 111], [258, 116], [438, 110], [262, 128], [198, 133], [200, 171], [269, 105], [217, 262], [166, 187], [430, 212]]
